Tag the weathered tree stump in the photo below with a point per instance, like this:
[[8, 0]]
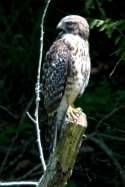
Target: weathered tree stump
[[62, 160]]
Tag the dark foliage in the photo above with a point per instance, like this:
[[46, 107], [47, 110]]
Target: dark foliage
[[101, 161]]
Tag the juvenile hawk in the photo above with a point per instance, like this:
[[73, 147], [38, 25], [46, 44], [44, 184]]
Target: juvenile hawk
[[66, 68]]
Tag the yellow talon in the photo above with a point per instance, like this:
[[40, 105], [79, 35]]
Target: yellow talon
[[73, 113]]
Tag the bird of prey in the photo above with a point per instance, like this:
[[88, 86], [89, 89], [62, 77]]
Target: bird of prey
[[66, 68]]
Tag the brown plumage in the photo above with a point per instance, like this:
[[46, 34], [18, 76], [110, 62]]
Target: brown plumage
[[66, 68]]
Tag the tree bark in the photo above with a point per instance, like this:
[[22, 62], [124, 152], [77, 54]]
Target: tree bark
[[61, 162]]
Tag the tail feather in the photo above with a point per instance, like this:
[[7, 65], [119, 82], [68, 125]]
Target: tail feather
[[51, 127]]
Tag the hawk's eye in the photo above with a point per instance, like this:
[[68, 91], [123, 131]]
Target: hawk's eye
[[71, 26]]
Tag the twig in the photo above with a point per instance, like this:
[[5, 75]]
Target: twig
[[112, 72], [26, 109], [15, 137], [37, 89], [30, 117], [8, 111], [109, 115], [36, 120], [111, 156], [30, 172], [6, 158], [18, 183]]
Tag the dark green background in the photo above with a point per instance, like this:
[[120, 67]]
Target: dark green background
[[101, 161]]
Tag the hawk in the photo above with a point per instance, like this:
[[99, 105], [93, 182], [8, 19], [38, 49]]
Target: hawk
[[66, 68]]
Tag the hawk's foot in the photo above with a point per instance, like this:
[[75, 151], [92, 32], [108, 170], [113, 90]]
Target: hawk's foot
[[73, 114]]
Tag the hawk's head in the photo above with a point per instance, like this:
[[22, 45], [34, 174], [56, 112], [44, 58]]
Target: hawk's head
[[74, 24]]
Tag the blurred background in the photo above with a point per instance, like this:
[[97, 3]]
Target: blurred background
[[101, 161]]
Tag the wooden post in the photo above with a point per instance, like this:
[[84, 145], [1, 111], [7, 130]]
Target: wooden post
[[61, 162]]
